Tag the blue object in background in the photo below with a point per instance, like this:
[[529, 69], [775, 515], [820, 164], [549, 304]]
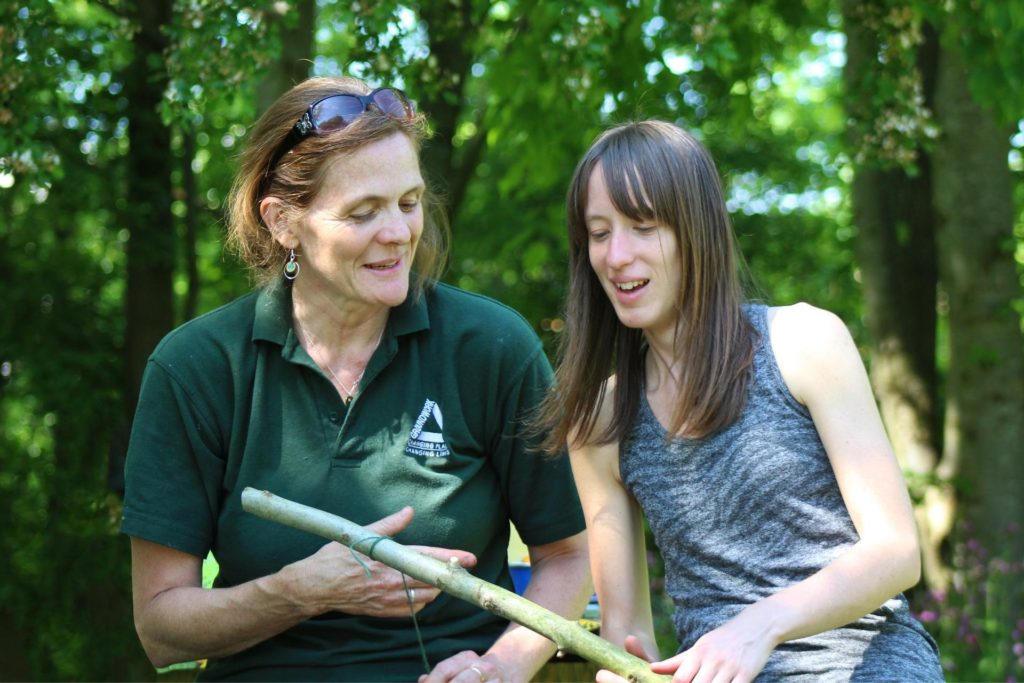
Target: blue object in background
[[520, 575]]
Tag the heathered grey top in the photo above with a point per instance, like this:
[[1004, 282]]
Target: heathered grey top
[[752, 509]]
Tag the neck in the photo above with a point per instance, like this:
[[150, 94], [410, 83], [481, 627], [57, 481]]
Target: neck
[[341, 329], [663, 368]]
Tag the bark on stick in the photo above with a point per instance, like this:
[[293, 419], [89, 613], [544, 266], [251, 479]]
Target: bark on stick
[[453, 579]]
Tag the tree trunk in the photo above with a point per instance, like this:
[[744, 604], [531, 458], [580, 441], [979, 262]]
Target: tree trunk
[[297, 46], [450, 26], [897, 257], [191, 222], [149, 300], [984, 442]]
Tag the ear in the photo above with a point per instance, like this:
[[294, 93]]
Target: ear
[[272, 212]]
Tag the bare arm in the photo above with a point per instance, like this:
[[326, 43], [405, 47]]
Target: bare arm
[[834, 386], [823, 370], [560, 582], [618, 557], [178, 620]]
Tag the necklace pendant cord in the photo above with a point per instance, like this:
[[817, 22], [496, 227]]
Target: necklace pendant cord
[[349, 392]]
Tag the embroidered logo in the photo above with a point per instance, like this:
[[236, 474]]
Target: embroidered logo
[[425, 438]]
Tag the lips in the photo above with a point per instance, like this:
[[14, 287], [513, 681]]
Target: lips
[[630, 285], [384, 265]]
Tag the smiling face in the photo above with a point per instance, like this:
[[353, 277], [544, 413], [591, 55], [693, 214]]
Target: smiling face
[[357, 239], [636, 262]]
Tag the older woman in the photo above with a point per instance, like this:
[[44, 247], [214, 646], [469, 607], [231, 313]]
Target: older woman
[[350, 381]]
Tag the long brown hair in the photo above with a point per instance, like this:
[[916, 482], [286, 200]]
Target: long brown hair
[[654, 171], [299, 175]]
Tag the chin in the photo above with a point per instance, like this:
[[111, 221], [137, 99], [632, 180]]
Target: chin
[[632, 322], [630, 318], [395, 298]]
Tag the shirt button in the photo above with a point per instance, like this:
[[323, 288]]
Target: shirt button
[[334, 416]]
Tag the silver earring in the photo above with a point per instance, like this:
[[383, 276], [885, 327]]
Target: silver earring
[[291, 266]]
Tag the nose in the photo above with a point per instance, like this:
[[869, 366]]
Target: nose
[[620, 250], [395, 228]]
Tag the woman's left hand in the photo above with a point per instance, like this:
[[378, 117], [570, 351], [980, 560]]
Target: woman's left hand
[[465, 667], [733, 653]]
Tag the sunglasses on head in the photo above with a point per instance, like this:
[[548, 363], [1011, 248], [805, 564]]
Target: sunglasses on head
[[334, 112]]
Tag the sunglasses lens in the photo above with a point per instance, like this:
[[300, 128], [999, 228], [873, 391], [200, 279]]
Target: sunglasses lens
[[334, 113], [392, 104]]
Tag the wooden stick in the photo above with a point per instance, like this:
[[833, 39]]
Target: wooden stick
[[452, 578]]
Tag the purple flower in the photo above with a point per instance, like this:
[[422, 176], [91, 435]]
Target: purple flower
[[928, 616], [1018, 649]]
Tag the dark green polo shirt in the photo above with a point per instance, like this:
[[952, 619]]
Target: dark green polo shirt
[[231, 400]]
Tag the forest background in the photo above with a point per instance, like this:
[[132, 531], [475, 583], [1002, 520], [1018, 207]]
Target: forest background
[[871, 152]]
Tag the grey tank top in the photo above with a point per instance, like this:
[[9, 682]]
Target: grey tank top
[[754, 508]]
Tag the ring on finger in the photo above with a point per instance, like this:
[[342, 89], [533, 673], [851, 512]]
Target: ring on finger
[[412, 595], [479, 673]]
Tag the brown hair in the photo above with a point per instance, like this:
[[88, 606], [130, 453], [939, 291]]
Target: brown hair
[[299, 175], [654, 171]]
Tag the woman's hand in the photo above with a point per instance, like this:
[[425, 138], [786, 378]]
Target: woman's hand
[[333, 579], [466, 667], [733, 653], [178, 620], [633, 646]]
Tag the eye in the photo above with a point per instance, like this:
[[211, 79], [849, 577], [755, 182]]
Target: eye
[[362, 216], [598, 234], [645, 229], [409, 205]]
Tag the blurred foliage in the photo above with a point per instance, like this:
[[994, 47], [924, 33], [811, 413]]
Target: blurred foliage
[[978, 621], [980, 30], [532, 83]]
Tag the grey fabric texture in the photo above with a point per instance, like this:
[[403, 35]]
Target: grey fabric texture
[[754, 508]]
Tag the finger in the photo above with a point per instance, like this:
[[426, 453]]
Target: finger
[[667, 666], [466, 559], [705, 675], [634, 647], [686, 666], [477, 672], [604, 676], [420, 597], [725, 676], [393, 523], [454, 667], [704, 671]]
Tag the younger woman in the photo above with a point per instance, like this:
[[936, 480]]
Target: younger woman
[[747, 435]]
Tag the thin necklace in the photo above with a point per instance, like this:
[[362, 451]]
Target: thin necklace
[[349, 393]]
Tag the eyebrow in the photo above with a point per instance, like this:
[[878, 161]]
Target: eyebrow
[[419, 187]]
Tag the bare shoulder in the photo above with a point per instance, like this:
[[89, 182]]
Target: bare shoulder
[[805, 326], [810, 345], [605, 412], [587, 453]]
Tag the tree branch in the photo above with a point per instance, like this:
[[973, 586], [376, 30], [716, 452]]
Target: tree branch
[[451, 578]]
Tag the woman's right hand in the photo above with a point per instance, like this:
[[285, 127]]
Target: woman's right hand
[[333, 579], [633, 646]]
